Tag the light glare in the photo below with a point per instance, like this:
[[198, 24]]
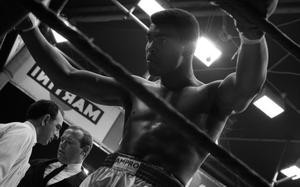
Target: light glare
[[189, 182], [206, 51], [293, 172], [150, 6], [86, 171], [268, 106], [58, 38]]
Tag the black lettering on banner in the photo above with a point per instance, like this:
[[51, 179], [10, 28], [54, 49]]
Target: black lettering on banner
[[84, 107]]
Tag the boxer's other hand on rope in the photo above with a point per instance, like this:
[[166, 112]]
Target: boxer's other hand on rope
[[29, 23], [168, 158], [264, 8]]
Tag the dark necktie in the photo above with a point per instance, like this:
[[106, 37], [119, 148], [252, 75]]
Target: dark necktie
[[52, 174]]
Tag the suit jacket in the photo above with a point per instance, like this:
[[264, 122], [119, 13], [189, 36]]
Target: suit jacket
[[34, 175]]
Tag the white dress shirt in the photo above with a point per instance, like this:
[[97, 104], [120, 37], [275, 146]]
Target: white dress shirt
[[70, 170], [16, 142]]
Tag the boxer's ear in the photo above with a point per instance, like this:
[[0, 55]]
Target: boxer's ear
[[189, 48]]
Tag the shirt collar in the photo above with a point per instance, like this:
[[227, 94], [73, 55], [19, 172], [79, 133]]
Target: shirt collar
[[33, 128], [74, 167]]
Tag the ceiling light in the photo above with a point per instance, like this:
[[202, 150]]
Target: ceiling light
[[291, 172], [150, 6], [268, 106], [206, 51]]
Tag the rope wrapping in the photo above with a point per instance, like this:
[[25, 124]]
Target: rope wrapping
[[188, 129]]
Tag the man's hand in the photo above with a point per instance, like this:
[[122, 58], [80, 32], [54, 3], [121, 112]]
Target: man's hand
[[28, 23], [31, 21], [264, 8]]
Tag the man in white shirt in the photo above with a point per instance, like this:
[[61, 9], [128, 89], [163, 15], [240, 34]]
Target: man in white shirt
[[43, 122], [66, 170]]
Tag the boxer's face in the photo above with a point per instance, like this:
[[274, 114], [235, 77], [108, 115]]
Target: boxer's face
[[163, 50]]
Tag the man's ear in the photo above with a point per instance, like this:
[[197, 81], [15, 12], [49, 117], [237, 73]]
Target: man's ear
[[45, 119], [189, 48], [86, 150]]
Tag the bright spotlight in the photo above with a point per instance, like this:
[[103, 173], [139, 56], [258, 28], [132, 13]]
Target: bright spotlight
[[268, 106], [150, 6], [206, 51], [291, 172]]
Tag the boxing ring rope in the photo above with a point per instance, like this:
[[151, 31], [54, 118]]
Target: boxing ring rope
[[130, 14], [191, 132]]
